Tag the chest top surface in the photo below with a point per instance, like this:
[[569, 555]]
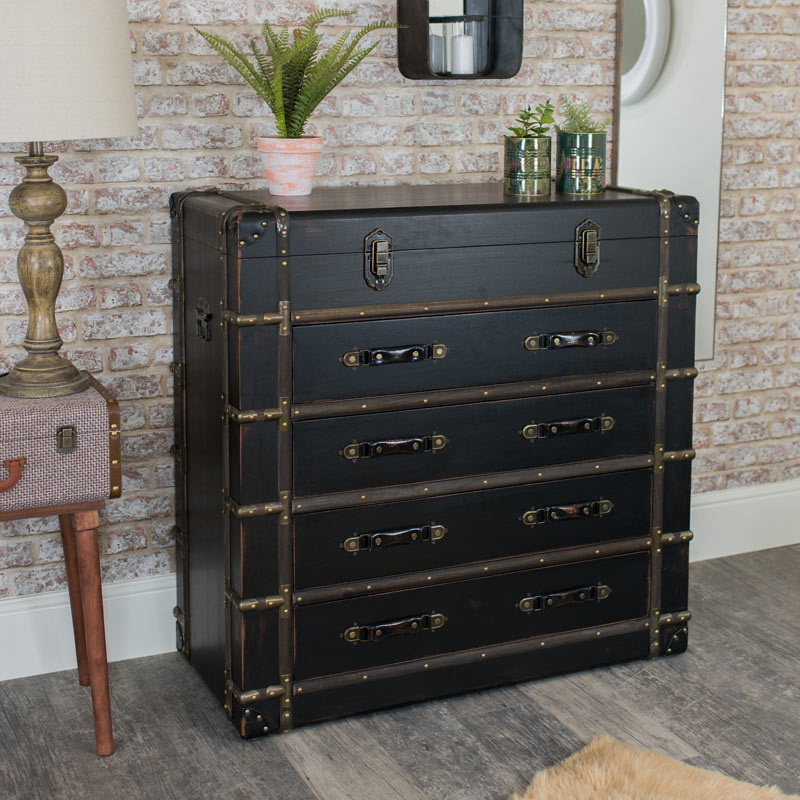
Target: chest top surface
[[337, 220]]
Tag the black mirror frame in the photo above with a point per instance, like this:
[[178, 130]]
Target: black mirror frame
[[413, 44]]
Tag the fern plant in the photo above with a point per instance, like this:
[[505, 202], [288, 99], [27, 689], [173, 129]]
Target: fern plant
[[533, 122], [578, 120], [290, 75]]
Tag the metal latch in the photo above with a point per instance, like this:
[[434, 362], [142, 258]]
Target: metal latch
[[378, 259], [587, 248], [66, 439]]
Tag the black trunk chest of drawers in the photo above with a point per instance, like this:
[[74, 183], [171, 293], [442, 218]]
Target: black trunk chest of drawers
[[430, 439]]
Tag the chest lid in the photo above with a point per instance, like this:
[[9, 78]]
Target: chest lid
[[336, 220], [60, 420]]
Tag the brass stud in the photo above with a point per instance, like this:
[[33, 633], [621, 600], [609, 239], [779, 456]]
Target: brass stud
[[364, 677], [115, 488], [241, 242], [483, 655], [263, 224], [255, 236], [114, 462]]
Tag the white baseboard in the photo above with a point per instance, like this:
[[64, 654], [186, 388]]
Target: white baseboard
[[740, 520], [36, 631]]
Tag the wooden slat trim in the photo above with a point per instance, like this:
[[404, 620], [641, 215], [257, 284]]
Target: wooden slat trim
[[395, 310], [114, 438], [470, 394], [495, 480], [332, 682], [569, 555], [51, 511], [253, 695]]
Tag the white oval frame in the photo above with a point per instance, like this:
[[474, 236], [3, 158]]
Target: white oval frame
[[639, 79]]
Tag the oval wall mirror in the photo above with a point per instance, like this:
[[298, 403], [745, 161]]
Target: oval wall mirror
[[645, 37]]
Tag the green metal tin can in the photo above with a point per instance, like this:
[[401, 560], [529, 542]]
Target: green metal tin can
[[581, 163], [527, 165]]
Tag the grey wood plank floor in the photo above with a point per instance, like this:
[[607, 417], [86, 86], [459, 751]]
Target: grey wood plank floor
[[732, 703]]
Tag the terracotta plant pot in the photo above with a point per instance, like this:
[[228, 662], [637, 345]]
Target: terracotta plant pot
[[290, 164]]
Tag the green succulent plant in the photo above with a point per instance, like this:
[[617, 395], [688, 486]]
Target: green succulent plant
[[291, 75], [577, 118], [533, 122]]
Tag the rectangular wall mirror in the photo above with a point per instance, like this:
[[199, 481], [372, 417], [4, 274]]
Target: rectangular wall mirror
[[672, 87]]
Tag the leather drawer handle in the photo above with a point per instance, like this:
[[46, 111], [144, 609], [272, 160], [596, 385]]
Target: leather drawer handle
[[544, 602], [398, 627], [594, 508], [394, 447], [548, 430], [380, 540], [560, 341], [408, 354], [14, 467]]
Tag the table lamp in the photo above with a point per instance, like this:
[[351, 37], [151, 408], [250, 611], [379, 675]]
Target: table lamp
[[65, 73]]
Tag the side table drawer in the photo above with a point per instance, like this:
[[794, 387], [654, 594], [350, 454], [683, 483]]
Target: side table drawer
[[392, 538]]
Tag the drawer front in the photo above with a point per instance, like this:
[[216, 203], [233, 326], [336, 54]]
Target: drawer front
[[392, 538], [358, 452], [397, 626], [336, 280], [361, 359]]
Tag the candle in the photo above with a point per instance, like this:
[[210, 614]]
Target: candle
[[437, 58], [462, 60]]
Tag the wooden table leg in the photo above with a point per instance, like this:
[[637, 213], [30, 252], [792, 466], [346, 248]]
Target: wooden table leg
[[73, 582], [86, 523]]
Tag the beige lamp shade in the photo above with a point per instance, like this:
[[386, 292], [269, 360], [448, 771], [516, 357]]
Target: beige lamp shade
[[65, 70]]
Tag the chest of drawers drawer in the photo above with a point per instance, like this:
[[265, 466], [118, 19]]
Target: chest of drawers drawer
[[424, 434], [424, 622], [358, 452], [361, 544], [382, 357]]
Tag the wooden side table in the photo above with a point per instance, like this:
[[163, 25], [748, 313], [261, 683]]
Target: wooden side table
[[69, 448]]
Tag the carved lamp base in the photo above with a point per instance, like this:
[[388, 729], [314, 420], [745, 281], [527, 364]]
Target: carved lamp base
[[38, 201]]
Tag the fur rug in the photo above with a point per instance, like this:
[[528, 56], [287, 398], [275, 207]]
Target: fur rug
[[609, 770]]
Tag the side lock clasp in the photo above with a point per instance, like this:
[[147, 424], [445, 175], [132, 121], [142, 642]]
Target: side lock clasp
[[587, 248], [378, 260]]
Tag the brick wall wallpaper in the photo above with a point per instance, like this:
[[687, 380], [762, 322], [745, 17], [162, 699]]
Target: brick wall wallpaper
[[198, 125]]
